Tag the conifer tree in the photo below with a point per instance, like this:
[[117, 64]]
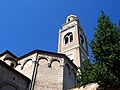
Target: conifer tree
[[106, 48]]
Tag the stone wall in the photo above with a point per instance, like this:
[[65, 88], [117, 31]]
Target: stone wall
[[45, 70], [48, 71], [69, 75], [10, 79], [49, 75]]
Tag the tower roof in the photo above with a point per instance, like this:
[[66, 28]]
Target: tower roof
[[74, 16]]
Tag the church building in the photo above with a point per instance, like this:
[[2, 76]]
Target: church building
[[44, 70]]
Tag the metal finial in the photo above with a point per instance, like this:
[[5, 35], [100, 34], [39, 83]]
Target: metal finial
[[71, 12]]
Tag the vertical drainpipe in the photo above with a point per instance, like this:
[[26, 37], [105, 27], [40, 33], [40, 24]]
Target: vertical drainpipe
[[34, 73]]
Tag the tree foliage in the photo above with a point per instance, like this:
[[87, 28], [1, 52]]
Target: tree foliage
[[105, 48], [84, 73]]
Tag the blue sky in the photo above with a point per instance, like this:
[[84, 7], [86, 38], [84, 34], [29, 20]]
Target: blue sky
[[26, 25]]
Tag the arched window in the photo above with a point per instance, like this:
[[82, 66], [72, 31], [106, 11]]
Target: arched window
[[71, 37], [68, 38], [68, 19], [81, 39]]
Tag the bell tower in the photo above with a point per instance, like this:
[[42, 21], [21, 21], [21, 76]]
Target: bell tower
[[72, 40]]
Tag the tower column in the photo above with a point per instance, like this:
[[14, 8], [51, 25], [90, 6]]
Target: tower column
[[72, 40]]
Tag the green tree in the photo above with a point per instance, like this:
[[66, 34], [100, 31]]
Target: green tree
[[84, 73], [106, 48]]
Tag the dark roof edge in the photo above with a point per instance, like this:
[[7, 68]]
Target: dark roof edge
[[8, 67], [38, 51], [41, 51], [7, 51]]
